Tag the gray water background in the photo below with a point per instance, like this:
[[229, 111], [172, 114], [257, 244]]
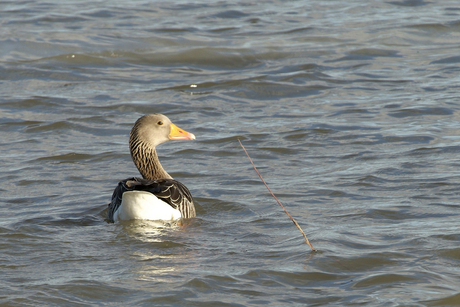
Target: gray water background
[[350, 110]]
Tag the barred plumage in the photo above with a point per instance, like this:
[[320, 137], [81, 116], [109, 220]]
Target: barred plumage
[[169, 190]]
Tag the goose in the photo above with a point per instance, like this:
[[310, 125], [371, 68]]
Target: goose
[[155, 196]]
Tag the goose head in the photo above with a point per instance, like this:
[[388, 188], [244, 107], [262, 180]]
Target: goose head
[[155, 129], [148, 132]]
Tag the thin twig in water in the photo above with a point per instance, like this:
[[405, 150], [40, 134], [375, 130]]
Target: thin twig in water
[[292, 219]]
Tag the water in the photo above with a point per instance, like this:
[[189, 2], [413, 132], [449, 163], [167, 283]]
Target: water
[[349, 109]]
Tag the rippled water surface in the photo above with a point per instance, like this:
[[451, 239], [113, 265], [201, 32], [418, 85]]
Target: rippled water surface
[[349, 109]]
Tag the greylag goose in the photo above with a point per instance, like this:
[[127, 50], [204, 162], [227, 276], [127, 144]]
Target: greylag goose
[[156, 196]]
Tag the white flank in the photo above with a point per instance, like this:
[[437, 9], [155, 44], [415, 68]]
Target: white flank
[[141, 205]]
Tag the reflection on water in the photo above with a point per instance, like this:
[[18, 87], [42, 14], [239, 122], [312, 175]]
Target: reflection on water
[[162, 258], [148, 231]]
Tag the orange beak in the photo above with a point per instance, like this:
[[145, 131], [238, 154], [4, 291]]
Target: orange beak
[[178, 134]]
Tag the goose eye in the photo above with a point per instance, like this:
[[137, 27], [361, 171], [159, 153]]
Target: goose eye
[[160, 122]]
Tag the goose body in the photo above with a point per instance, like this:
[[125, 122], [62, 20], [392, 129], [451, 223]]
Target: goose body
[[156, 196], [144, 205]]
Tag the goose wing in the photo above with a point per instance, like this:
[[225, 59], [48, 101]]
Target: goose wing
[[170, 191]]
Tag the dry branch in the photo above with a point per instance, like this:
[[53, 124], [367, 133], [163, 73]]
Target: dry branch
[[292, 219]]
